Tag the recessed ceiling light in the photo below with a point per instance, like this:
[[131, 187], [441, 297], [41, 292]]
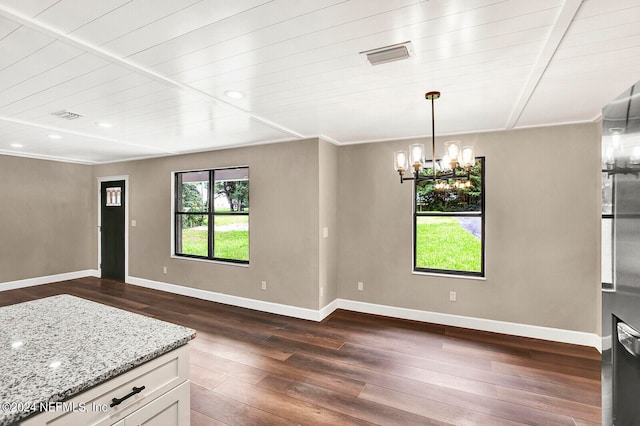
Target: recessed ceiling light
[[234, 94], [17, 344], [104, 124], [17, 145], [54, 136]]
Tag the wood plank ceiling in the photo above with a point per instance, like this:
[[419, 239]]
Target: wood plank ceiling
[[158, 71]]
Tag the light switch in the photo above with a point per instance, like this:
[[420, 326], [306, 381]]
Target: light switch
[[325, 232], [133, 223]]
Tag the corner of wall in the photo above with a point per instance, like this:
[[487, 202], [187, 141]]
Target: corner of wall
[[327, 222]]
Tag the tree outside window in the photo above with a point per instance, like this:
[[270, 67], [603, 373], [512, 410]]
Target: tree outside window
[[217, 230], [449, 226]]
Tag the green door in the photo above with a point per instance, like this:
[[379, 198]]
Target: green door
[[112, 229]]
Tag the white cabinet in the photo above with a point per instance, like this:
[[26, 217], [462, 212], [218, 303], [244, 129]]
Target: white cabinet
[[154, 393], [172, 408]]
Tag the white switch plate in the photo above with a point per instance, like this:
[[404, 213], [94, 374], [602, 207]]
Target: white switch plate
[[264, 285], [360, 285], [325, 232], [321, 291], [134, 223], [452, 296], [164, 269]]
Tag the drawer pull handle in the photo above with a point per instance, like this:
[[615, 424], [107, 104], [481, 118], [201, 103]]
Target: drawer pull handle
[[117, 401]]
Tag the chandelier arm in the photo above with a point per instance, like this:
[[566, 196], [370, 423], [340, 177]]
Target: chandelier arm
[[453, 163], [622, 170], [402, 178]]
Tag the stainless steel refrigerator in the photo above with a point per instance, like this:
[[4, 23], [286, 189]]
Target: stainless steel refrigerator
[[621, 300]]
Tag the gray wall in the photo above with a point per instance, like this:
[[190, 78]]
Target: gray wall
[[283, 223], [542, 230], [45, 226], [542, 226], [328, 208]]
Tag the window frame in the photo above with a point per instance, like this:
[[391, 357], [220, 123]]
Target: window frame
[[481, 214], [210, 213]]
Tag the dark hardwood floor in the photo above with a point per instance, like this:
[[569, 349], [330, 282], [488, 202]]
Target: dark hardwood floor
[[250, 367]]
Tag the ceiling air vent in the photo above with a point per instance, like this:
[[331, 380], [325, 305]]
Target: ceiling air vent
[[395, 52], [67, 115]]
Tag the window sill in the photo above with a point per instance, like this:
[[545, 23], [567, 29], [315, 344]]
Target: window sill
[[219, 262], [464, 277]]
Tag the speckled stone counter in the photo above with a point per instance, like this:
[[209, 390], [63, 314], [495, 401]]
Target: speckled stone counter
[[54, 348]]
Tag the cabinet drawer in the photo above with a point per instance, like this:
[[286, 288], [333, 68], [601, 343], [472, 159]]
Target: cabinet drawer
[[92, 407], [171, 409]]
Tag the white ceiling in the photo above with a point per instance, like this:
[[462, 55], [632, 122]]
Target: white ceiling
[[158, 70]]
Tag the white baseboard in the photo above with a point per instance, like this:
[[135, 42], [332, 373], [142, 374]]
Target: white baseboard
[[515, 329], [10, 285], [258, 305], [328, 309]]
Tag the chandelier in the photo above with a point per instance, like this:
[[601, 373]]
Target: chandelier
[[616, 163], [451, 171], [618, 158]]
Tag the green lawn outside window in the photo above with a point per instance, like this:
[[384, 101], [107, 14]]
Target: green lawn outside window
[[212, 214], [449, 226]]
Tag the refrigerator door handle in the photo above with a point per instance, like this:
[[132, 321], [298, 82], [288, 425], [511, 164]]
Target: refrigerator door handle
[[629, 338]]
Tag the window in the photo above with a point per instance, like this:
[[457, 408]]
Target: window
[[449, 226], [608, 193], [212, 214]]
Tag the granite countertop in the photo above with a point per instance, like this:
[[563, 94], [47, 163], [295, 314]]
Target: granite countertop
[[54, 348]]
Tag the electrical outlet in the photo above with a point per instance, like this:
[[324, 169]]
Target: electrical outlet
[[360, 285], [452, 296], [164, 269], [264, 285]]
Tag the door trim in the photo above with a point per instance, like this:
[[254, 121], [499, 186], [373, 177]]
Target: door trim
[[125, 178]]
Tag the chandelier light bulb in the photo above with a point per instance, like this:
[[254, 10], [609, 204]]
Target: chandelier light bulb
[[616, 139], [634, 158], [400, 161], [467, 158], [444, 173], [417, 155], [446, 162], [453, 150], [609, 158]]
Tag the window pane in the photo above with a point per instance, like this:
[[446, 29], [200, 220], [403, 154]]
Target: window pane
[[607, 251], [193, 235], [607, 194], [454, 200], [232, 190], [212, 214], [114, 197], [231, 237], [449, 243], [194, 191]]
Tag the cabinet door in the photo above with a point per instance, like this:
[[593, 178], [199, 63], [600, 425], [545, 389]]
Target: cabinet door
[[159, 376], [171, 409]]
